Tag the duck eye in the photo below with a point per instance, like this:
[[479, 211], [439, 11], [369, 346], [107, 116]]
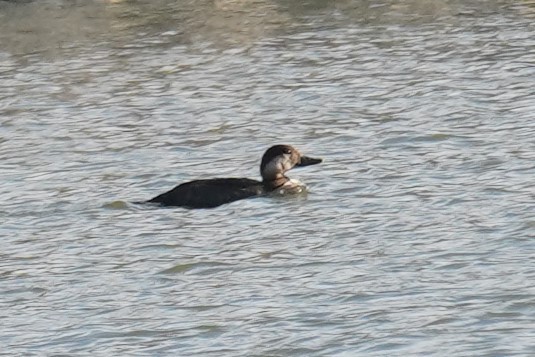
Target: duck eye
[[287, 151]]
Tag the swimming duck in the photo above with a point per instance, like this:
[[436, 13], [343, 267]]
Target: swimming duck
[[214, 192]]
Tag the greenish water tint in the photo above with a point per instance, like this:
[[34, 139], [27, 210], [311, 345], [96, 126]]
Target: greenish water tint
[[417, 235]]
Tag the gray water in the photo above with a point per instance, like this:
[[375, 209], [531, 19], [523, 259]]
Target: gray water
[[417, 236]]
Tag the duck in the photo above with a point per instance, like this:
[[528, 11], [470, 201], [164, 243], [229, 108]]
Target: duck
[[210, 193]]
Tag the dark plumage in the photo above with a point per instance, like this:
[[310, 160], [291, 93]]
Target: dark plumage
[[214, 192], [210, 193]]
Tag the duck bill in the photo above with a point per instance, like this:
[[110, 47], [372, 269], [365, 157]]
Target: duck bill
[[307, 161]]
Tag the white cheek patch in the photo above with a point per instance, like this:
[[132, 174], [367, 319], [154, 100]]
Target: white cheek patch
[[287, 164], [273, 167], [278, 165]]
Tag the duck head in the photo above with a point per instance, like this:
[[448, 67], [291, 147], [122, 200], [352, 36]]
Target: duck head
[[280, 158]]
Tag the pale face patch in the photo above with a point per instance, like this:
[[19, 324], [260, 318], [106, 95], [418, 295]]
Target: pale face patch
[[278, 166]]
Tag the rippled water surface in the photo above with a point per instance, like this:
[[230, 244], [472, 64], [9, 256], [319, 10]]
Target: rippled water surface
[[417, 235]]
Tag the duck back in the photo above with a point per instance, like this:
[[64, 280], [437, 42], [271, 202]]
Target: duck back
[[210, 193]]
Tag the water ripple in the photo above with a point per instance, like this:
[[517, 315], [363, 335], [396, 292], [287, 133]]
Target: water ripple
[[415, 237]]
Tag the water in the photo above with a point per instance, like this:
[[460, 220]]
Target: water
[[417, 235]]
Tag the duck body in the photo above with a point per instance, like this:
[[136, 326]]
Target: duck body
[[211, 193]]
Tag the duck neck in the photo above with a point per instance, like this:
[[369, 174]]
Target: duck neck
[[275, 182]]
